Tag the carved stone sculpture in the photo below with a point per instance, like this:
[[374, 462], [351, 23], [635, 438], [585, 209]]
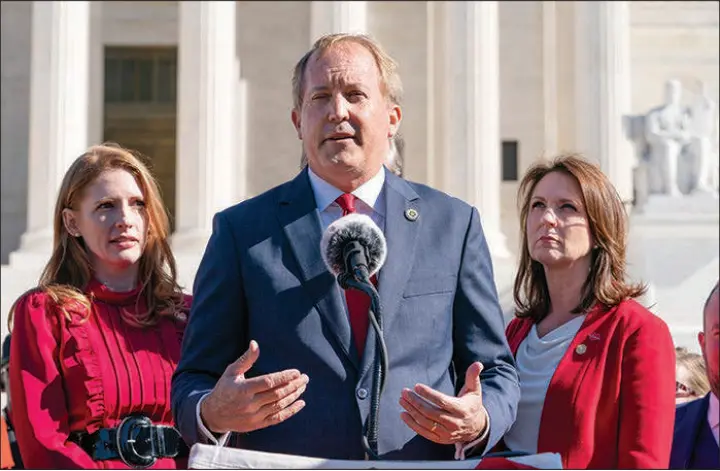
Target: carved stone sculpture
[[667, 131], [703, 145]]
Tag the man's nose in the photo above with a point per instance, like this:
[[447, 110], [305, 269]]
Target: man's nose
[[338, 109]]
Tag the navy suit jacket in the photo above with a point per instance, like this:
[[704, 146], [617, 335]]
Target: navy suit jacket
[[262, 277], [690, 418]]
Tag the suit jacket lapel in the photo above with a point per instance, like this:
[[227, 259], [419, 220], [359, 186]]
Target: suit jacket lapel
[[401, 235], [300, 221]]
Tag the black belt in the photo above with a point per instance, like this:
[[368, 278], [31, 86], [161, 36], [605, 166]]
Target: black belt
[[136, 441]]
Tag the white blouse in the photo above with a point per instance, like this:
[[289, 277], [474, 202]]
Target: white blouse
[[536, 360]]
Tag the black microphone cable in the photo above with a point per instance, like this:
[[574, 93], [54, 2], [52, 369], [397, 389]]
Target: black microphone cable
[[371, 431]]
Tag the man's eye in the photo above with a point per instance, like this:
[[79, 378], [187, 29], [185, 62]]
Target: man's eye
[[105, 205]]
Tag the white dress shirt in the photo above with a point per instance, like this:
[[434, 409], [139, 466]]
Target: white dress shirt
[[370, 195], [536, 361], [713, 416]]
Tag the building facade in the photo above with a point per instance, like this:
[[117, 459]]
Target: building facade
[[203, 89]]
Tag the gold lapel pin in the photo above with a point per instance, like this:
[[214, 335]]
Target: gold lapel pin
[[411, 214]]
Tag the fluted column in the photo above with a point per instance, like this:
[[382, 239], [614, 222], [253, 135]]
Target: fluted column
[[550, 78], [59, 80], [602, 88], [474, 108], [337, 17], [208, 83]]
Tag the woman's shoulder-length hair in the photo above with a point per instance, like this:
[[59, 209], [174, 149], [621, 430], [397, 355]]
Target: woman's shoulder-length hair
[[607, 281]]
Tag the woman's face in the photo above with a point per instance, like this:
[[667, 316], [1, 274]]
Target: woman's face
[[683, 392], [112, 220], [558, 232]]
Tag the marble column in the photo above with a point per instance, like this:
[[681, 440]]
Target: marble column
[[602, 89], [96, 105], [473, 143], [208, 86], [59, 81], [436, 94], [337, 17], [550, 78]]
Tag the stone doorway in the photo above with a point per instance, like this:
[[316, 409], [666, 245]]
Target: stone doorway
[[140, 110]]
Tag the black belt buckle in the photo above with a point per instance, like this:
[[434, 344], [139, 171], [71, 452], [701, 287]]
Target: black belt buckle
[[135, 441]]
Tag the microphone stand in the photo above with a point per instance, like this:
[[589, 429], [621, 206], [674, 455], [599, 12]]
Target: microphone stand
[[361, 281]]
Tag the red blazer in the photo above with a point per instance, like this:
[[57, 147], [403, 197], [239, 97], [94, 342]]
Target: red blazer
[[611, 401]]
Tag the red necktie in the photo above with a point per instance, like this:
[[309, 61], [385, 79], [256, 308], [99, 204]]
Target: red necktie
[[358, 302]]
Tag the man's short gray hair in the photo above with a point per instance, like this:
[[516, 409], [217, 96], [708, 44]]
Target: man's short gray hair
[[389, 76]]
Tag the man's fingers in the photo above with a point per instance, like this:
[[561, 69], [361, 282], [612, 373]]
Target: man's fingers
[[268, 382], [277, 406], [419, 429], [274, 395], [443, 401], [284, 414], [245, 362], [426, 415]]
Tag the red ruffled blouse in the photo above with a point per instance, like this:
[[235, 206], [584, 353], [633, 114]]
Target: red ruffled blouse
[[87, 373]]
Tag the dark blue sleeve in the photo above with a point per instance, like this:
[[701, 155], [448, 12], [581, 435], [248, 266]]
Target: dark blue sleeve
[[216, 332], [479, 333]]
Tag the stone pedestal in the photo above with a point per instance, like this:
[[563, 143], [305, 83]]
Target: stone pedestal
[[673, 247]]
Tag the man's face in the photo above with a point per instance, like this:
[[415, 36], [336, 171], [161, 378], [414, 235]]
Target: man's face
[[710, 342], [345, 120]]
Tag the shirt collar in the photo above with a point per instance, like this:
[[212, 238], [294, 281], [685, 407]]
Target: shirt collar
[[713, 410], [368, 192]]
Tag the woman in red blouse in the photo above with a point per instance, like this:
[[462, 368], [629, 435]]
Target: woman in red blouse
[[596, 369], [95, 344]]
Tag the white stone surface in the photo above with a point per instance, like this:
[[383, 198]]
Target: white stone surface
[[674, 249], [58, 111], [15, 44], [337, 17], [602, 89], [474, 135], [208, 81]]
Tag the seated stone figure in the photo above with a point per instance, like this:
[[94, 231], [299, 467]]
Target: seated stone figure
[[667, 130]]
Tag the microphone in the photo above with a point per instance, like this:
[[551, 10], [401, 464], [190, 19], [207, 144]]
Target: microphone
[[353, 246], [354, 249]]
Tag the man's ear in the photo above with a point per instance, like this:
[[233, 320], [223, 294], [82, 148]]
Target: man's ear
[[395, 116], [295, 117], [70, 222], [701, 341]]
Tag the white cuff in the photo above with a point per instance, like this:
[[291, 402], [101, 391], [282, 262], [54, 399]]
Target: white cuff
[[462, 449], [204, 432]]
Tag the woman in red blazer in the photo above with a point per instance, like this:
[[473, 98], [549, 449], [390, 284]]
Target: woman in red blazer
[[596, 368]]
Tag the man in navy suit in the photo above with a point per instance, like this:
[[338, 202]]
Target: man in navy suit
[[695, 440], [273, 351]]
